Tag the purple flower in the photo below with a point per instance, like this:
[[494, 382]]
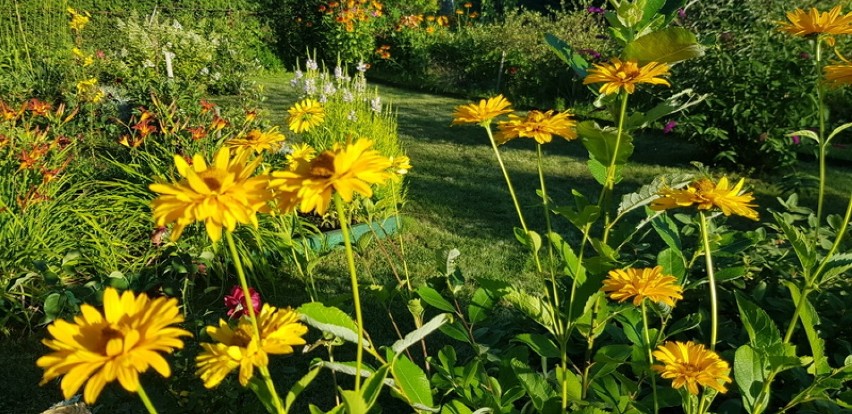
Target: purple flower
[[670, 126], [592, 53], [681, 13], [595, 10], [796, 139]]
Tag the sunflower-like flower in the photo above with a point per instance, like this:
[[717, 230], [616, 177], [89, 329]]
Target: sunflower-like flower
[[691, 365], [541, 126], [221, 195], [120, 343], [300, 153], [305, 115], [400, 164], [78, 20], [257, 141], [345, 170], [237, 347], [704, 194], [651, 283], [483, 112], [838, 75], [617, 75], [804, 23]]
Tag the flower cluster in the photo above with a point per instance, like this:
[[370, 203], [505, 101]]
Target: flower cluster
[[78, 20], [350, 12]]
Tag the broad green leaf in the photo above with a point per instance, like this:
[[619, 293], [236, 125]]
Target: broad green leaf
[[52, 306], [261, 391], [810, 320], [433, 298], [373, 385], [583, 212], [300, 386], [573, 265], [669, 45], [532, 306], [455, 407], [650, 10], [801, 244], [807, 133], [418, 334], [667, 229], [537, 386], [353, 402], [540, 344], [673, 104], [331, 320], [455, 330], [835, 266], [750, 372], [480, 304], [762, 332], [348, 368], [572, 380], [601, 143], [529, 239], [837, 131], [412, 382], [577, 63], [598, 171], [673, 263]]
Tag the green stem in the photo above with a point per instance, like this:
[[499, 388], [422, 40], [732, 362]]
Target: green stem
[[708, 256], [609, 183], [650, 347], [508, 181], [821, 118], [399, 235], [145, 400], [356, 296], [264, 371]]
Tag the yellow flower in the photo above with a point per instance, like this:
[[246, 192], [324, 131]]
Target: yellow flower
[[400, 164], [541, 126], [221, 195], [483, 112], [839, 75], [83, 58], [120, 343], [705, 194], [88, 91], [345, 170], [639, 284], [300, 153], [280, 330], [257, 141], [78, 21], [802, 23], [305, 115], [618, 75], [691, 365]]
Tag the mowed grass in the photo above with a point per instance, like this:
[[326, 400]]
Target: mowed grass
[[457, 198]]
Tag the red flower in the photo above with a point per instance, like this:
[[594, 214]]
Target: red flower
[[236, 303]]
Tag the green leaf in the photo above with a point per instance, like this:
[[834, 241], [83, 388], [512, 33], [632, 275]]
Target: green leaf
[[750, 372], [835, 266], [584, 212], [300, 386], [807, 133], [762, 332], [573, 265], [540, 344], [480, 304], [669, 45], [52, 306], [532, 306], [648, 193], [673, 104], [577, 63], [418, 334], [598, 171], [810, 320], [673, 263], [331, 320], [667, 229], [837, 131], [801, 244], [536, 386], [353, 402], [373, 385], [601, 142], [530, 239], [455, 407], [573, 384], [455, 330], [258, 386], [412, 382], [433, 298]]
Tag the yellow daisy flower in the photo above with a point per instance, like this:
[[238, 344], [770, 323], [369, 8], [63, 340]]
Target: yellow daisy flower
[[345, 170], [280, 330], [305, 115], [651, 283], [257, 141], [483, 112], [691, 365], [120, 343], [617, 75], [839, 75], [705, 194], [541, 126], [400, 164], [802, 23], [221, 195], [300, 153], [78, 21], [88, 91]]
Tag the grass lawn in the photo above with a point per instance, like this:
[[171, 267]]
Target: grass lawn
[[457, 198]]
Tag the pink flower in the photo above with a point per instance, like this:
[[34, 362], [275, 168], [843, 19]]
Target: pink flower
[[670, 126], [236, 303], [796, 139]]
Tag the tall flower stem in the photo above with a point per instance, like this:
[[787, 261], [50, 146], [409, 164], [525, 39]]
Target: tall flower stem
[[399, 235], [145, 400], [609, 183], [822, 149], [708, 257], [241, 274], [356, 295], [508, 180], [650, 347]]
